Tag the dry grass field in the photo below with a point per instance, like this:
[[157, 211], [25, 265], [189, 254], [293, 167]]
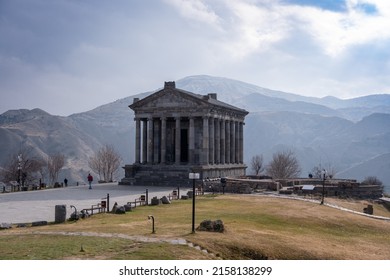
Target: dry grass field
[[257, 227]]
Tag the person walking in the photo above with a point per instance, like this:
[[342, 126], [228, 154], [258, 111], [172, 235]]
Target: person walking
[[90, 179]]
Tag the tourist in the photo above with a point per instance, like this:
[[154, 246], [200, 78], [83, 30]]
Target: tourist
[[90, 179]]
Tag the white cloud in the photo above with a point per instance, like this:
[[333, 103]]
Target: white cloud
[[112, 51], [196, 10], [255, 28], [336, 32]]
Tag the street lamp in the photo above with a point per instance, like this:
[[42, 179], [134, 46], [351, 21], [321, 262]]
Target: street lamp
[[20, 169], [323, 176], [193, 176]]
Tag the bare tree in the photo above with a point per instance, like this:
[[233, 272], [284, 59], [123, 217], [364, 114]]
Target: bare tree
[[372, 180], [317, 171], [257, 164], [54, 164], [284, 165], [105, 162], [22, 167]]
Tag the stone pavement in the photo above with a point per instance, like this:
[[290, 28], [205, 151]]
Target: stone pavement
[[31, 206]]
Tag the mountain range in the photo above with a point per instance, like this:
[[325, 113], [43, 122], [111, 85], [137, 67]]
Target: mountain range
[[352, 136]]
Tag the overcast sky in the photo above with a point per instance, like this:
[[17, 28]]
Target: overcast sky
[[69, 56]]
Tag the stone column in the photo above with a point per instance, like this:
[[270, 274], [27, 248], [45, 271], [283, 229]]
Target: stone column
[[205, 145], [163, 139], [232, 142], [191, 142], [241, 125], [223, 144], [211, 141], [137, 140], [150, 140], [144, 140], [177, 141], [217, 144], [156, 141], [227, 140], [237, 146]]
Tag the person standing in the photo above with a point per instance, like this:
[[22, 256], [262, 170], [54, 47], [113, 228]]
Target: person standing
[[66, 182], [90, 179]]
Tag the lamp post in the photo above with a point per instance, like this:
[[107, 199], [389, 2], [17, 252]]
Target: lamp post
[[323, 175], [193, 176], [19, 170]]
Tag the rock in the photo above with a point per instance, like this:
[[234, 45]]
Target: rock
[[212, 226], [5, 226], [21, 225], [74, 216], [155, 201], [39, 223], [165, 200], [84, 214], [127, 207], [114, 207], [120, 210]]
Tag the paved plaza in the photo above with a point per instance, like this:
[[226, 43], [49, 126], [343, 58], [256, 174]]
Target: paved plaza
[[39, 205]]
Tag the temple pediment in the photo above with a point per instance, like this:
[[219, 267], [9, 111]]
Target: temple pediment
[[168, 99], [171, 98]]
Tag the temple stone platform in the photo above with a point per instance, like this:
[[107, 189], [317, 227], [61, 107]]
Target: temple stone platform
[[176, 175]]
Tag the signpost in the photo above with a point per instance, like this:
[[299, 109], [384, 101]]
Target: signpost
[[193, 176]]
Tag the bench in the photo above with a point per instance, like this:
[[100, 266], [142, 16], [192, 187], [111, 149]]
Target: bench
[[174, 195], [141, 201]]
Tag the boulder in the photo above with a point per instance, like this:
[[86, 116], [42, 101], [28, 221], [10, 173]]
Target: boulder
[[127, 207], [74, 216], [212, 226], [120, 210], [165, 200], [155, 201]]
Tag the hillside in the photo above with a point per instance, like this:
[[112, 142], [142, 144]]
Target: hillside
[[343, 134]]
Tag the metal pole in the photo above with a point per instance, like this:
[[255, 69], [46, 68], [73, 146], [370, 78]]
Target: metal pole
[[193, 205], [152, 217], [147, 197], [108, 202], [323, 186]]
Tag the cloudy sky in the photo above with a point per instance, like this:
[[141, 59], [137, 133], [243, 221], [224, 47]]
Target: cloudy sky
[[69, 56]]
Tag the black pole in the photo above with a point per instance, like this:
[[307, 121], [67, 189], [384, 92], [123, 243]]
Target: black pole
[[147, 197], [178, 192], [193, 205], [108, 202], [323, 190]]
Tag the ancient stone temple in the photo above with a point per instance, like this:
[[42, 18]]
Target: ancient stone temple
[[178, 132]]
